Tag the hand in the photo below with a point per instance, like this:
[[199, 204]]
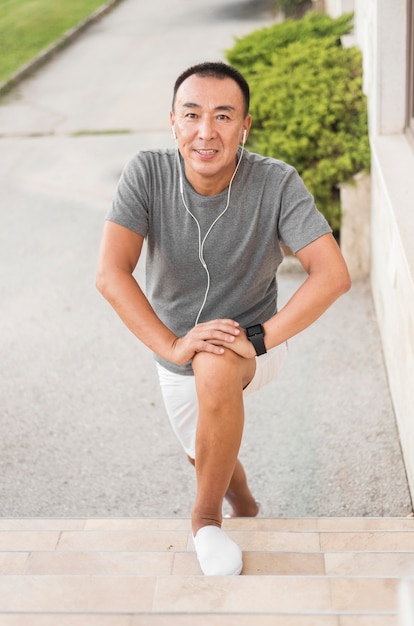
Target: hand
[[241, 345], [213, 336]]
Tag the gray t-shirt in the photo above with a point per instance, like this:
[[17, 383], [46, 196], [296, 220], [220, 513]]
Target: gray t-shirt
[[269, 204]]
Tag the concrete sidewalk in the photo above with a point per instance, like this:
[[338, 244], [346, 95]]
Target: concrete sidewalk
[[83, 427]]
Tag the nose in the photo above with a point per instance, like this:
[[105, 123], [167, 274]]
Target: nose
[[206, 130]]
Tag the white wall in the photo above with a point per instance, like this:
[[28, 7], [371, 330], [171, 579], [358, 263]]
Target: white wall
[[381, 33], [335, 8], [392, 272]]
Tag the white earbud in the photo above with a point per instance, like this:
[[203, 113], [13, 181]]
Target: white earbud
[[173, 132], [244, 136]]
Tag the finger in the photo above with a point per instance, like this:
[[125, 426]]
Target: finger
[[225, 325], [216, 337], [210, 347], [215, 330]]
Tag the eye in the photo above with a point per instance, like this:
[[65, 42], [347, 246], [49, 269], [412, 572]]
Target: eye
[[222, 116], [191, 116]]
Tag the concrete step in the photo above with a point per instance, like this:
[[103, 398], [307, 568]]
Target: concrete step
[[132, 572]]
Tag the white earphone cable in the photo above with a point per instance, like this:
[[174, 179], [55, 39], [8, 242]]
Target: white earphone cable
[[201, 242]]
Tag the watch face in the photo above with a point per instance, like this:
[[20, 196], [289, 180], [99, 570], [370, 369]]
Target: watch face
[[254, 330]]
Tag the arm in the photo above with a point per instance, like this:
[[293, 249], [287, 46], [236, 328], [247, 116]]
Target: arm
[[119, 254], [327, 279]]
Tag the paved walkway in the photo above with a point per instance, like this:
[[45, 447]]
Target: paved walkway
[[83, 426]]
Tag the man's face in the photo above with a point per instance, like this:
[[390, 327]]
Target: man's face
[[209, 121]]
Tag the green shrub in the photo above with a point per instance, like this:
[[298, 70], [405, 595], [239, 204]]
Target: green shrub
[[260, 44], [307, 103]]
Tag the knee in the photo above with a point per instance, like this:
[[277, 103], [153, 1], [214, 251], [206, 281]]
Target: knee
[[217, 375], [213, 366]]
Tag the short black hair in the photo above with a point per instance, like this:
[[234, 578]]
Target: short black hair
[[215, 70]]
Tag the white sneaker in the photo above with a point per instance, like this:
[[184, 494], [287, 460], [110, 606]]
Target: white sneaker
[[217, 554]]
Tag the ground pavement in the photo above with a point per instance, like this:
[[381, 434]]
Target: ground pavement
[[83, 429]]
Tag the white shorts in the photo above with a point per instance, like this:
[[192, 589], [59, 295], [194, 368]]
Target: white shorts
[[180, 397]]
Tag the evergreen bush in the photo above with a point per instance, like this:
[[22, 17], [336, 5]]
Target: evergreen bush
[[307, 102]]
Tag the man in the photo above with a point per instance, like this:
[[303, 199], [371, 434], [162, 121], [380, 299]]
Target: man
[[213, 216]]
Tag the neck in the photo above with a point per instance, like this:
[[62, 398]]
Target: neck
[[211, 185], [208, 186]]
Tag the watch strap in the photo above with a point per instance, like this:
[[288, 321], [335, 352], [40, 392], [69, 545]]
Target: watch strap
[[255, 334]]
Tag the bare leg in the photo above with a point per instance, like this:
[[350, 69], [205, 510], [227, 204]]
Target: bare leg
[[219, 381], [238, 495]]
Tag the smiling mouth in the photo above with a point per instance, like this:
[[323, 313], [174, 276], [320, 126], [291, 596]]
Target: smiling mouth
[[201, 151]]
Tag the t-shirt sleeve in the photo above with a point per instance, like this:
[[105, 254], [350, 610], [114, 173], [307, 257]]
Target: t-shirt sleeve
[[130, 204], [300, 222]]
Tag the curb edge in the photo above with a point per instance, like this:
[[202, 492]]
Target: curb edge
[[45, 55]]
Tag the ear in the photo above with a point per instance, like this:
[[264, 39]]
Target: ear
[[246, 129], [172, 124], [172, 121]]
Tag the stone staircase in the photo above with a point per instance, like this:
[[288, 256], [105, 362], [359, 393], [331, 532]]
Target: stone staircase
[[143, 572]]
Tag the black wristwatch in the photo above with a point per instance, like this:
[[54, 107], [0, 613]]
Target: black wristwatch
[[255, 334]]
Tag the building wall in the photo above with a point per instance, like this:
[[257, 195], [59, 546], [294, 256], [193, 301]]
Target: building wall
[[392, 271], [335, 8], [381, 31]]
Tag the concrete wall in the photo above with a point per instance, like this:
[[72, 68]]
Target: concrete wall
[[392, 273], [335, 8], [356, 225], [381, 33]]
